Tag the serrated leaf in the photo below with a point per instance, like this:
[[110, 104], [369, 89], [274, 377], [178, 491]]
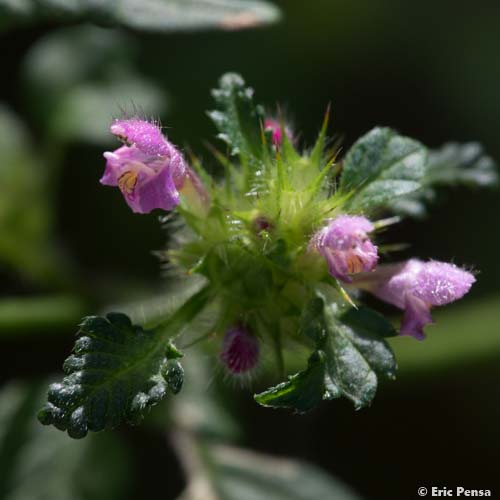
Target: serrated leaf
[[114, 374], [173, 373], [381, 166], [237, 118], [40, 463], [302, 391], [162, 16]]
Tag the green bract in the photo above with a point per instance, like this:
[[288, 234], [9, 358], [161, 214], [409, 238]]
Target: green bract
[[248, 237]]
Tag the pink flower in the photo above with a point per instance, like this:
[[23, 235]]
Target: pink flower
[[415, 286], [148, 169], [346, 247], [274, 126], [240, 350]]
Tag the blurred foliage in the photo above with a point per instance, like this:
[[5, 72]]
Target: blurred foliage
[[38, 463], [147, 15], [26, 214], [79, 77]]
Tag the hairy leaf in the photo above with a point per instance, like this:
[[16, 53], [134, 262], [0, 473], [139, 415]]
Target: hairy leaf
[[115, 372], [302, 391], [381, 166], [356, 353], [237, 118]]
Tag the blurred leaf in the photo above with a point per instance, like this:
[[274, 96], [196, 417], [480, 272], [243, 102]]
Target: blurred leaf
[[148, 15], [25, 212], [39, 463], [175, 15], [302, 391], [237, 118], [114, 374], [452, 164], [86, 111], [78, 79], [220, 472], [30, 315], [380, 166], [13, 12]]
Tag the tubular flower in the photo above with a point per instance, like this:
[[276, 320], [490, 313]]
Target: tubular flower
[[346, 247], [415, 286], [240, 350], [274, 126], [148, 169]]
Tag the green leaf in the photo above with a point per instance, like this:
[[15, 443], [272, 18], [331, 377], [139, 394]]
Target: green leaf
[[173, 373], [366, 329], [356, 353], [302, 391], [39, 463], [312, 321], [163, 16], [237, 118], [452, 164], [115, 372], [364, 319], [381, 166]]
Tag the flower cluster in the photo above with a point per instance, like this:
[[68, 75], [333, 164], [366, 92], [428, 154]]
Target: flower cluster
[[277, 253], [287, 240], [151, 172]]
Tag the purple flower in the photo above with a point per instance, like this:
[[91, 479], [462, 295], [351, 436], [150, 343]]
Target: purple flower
[[240, 350], [148, 169], [274, 126], [345, 245], [415, 286]]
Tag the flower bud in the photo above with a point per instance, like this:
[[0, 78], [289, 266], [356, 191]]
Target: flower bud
[[274, 127], [415, 286], [148, 169], [346, 247], [240, 350]]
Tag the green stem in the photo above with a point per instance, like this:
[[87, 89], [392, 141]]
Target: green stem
[[173, 324]]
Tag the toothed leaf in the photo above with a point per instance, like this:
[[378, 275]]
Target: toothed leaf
[[237, 118], [381, 166], [115, 372]]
